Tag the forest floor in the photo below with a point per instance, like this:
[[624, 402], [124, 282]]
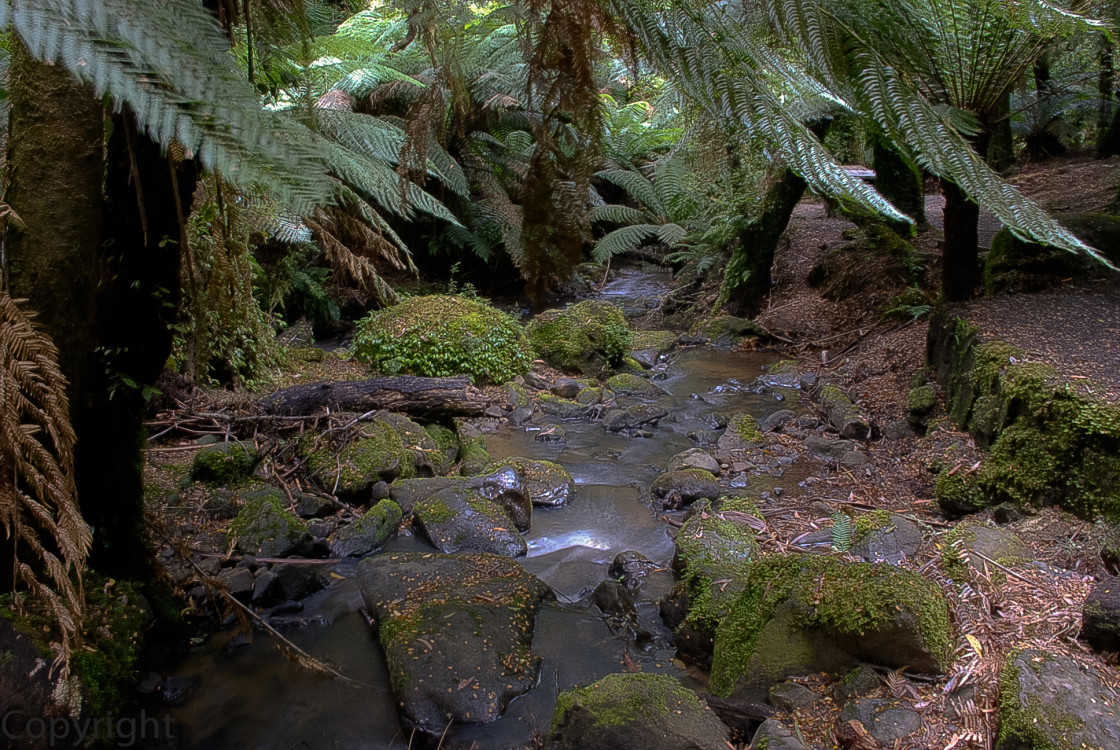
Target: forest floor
[[839, 331]]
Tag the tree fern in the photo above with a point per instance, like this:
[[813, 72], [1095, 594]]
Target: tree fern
[[38, 500]]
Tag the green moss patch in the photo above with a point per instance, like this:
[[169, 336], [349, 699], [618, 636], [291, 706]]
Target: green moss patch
[[441, 336], [587, 338], [223, 463]]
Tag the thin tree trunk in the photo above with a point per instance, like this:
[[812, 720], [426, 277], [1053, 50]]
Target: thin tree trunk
[[1044, 143], [960, 258], [1108, 114], [1001, 149]]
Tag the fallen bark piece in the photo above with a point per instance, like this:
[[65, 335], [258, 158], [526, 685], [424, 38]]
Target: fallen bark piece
[[413, 394]]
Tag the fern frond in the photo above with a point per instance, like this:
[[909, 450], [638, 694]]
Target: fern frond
[[636, 185], [623, 240], [38, 497], [841, 531], [616, 214]]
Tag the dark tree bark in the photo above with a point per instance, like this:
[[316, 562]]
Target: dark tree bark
[[55, 172], [1044, 143], [960, 258], [136, 306], [899, 182], [1108, 117], [1001, 149]]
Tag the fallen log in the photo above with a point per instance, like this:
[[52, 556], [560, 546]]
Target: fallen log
[[412, 394]]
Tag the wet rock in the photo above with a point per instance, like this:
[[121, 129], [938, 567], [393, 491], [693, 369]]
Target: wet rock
[[614, 601], [385, 447], [882, 719], [800, 614], [999, 544], [829, 449], [694, 458], [263, 581], [773, 735], [742, 433], [473, 456], [685, 486], [728, 330], [561, 408], [503, 484], [713, 550], [265, 528], [239, 582], [633, 417], [457, 633], [716, 420], [368, 532], [459, 519], [590, 396], [789, 696], [776, 421], [447, 447], [648, 711], [551, 433], [1100, 622], [224, 462], [535, 381], [885, 537], [899, 429], [1048, 701], [784, 374], [705, 437], [650, 346], [314, 506], [631, 568], [626, 384], [546, 483], [567, 388], [294, 582]]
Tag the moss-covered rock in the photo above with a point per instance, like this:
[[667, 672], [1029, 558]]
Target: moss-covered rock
[[224, 463], [882, 536], [647, 347], [628, 384], [457, 631], [547, 484], [727, 330], [444, 335], [685, 486], [800, 614], [461, 519], [648, 711], [742, 432], [563, 408], [1048, 702], [384, 448], [447, 447], [265, 528], [1049, 442], [1015, 265], [368, 532], [919, 403], [844, 415], [633, 418], [473, 456], [589, 338]]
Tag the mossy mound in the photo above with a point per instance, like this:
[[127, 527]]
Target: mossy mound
[[589, 338], [742, 432], [1050, 443], [444, 335], [265, 528], [800, 614], [387, 447], [1015, 265], [473, 456], [223, 463], [447, 448], [650, 711]]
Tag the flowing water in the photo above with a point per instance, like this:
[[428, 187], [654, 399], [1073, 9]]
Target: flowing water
[[252, 697]]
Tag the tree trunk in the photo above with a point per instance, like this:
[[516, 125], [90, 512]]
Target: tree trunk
[[55, 173], [1043, 142], [746, 280], [960, 258], [899, 182], [1001, 149], [1108, 116], [137, 304]]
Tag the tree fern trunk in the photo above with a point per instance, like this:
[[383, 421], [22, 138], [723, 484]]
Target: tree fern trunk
[[1001, 149], [55, 173], [746, 281], [899, 183], [1108, 133], [960, 259]]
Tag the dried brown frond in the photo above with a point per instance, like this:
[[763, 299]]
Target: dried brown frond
[[38, 498], [347, 265], [424, 117]]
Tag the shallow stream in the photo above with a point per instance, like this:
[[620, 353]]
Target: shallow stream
[[253, 697]]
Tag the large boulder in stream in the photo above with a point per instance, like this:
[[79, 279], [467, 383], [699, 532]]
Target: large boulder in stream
[[589, 338], [633, 417], [801, 614], [685, 486], [385, 447], [367, 532], [265, 528], [459, 518], [628, 384], [546, 483], [457, 632], [503, 484], [647, 711]]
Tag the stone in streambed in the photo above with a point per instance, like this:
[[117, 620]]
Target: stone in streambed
[[633, 417], [368, 532], [685, 486], [459, 519], [502, 483], [546, 483], [457, 632], [694, 458], [648, 711]]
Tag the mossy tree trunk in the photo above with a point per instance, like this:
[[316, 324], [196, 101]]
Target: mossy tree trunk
[[746, 280], [899, 182]]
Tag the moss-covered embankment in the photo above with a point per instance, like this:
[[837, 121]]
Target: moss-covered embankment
[[1050, 439]]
